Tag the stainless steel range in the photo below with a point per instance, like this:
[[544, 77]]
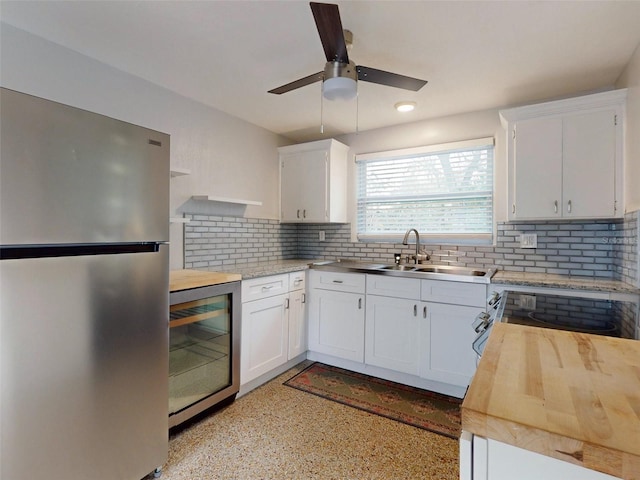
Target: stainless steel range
[[599, 316]]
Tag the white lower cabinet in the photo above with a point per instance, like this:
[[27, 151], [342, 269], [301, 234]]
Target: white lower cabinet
[[336, 317], [273, 323], [264, 336], [411, 330], [486, 459], [392, 333], [297, 315], [446, 340], [394, 319]]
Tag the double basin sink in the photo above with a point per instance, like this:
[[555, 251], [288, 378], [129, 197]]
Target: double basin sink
[[441, 272]]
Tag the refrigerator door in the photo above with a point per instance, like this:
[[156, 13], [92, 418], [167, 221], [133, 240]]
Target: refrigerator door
[[68, 176], [83, 366]]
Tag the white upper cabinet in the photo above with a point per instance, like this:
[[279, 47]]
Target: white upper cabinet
[[565, 158], [313, 182]]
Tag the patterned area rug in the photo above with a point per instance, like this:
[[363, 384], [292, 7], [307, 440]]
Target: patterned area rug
[[413, 406]]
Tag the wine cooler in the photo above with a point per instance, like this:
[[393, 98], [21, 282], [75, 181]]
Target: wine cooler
[[204, 351]]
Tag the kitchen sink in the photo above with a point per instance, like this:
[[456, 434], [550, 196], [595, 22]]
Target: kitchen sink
[[401, 268], [451, 270], [440, 272]]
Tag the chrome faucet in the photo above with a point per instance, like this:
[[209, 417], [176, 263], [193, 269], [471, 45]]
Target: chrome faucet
[[418, 256]]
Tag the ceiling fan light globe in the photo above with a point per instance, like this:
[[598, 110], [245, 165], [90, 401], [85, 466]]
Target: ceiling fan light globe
[[339, 88], [405, 106]]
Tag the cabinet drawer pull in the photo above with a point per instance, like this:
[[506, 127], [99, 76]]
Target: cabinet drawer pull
[[298, 213], [555, 206], [415, 310], [286, 304], [359, 304], [304, 213], [297, 281], [304, 298], [266, 288], [424, 312], [337, 281], [569, 206]]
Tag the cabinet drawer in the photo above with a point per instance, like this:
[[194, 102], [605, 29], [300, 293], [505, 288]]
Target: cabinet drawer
[[263, 287], [456, 293], [393, 287], [341, 282], [297, 280]]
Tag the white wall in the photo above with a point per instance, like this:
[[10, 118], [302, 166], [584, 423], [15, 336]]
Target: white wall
[[227, 156], [630, 79], [465, 126]]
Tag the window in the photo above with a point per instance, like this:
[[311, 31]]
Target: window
[[444, 191]]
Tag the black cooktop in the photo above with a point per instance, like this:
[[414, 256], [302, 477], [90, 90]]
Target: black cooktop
[[588, 315]]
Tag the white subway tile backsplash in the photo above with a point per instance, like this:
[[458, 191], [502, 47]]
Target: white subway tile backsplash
[[603, 249]]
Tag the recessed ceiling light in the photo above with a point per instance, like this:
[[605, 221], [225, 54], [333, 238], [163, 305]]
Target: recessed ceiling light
[[405, 106]]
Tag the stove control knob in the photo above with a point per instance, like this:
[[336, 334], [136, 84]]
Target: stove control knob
[[481, 322], [493, 300]]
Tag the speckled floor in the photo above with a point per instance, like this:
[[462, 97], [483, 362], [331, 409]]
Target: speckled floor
[[277, 432]]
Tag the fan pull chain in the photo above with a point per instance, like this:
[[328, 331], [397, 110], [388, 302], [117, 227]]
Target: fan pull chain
[[357, 111], [321, 109]]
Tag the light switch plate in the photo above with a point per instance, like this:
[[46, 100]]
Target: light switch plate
[[529, 240]]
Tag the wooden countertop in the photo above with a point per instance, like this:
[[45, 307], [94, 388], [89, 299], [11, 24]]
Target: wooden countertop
[[571, 396], [186, 279]]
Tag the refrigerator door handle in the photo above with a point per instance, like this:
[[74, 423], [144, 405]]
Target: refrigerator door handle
[[47, 251]]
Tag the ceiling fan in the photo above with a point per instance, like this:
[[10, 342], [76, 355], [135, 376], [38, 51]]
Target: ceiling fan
[[340, 75]]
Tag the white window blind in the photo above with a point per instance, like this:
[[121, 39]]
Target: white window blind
[[445, 191]]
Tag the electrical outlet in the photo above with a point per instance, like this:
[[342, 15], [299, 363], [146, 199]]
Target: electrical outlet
[[527, 302], [529, 240], [321, 235]]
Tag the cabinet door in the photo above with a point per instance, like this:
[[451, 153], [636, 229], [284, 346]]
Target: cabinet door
[[537, 169], [589, 158], [303, 189], [336, 324], [392, 333], [394, 286], [446, 338], [297, 323], [264, 337]]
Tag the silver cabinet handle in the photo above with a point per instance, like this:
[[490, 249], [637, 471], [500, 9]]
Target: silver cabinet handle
[[555, 206], [359, 304], [337, 281], [304, 214], [424, 312], [297, 281], [298, 213], [286, 304], [266, 288], [304, 298], [415, 310], [569, 206]]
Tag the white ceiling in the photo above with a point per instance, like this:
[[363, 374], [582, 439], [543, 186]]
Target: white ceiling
[[228, 54]]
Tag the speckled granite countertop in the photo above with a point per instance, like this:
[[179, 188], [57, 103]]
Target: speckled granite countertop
[[562, 281], [263, 269]]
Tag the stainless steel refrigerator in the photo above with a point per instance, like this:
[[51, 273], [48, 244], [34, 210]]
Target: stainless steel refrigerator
[[84, 202]]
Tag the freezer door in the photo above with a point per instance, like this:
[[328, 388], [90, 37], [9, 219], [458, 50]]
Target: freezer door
[[83, 365], [70, 176]]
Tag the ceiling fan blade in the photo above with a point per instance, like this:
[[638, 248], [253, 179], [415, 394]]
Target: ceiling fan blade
[[301, 82], [327, 19], [368, 74]]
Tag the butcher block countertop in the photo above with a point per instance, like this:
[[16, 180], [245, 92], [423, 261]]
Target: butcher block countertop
[[186, 279], [571, 396]]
